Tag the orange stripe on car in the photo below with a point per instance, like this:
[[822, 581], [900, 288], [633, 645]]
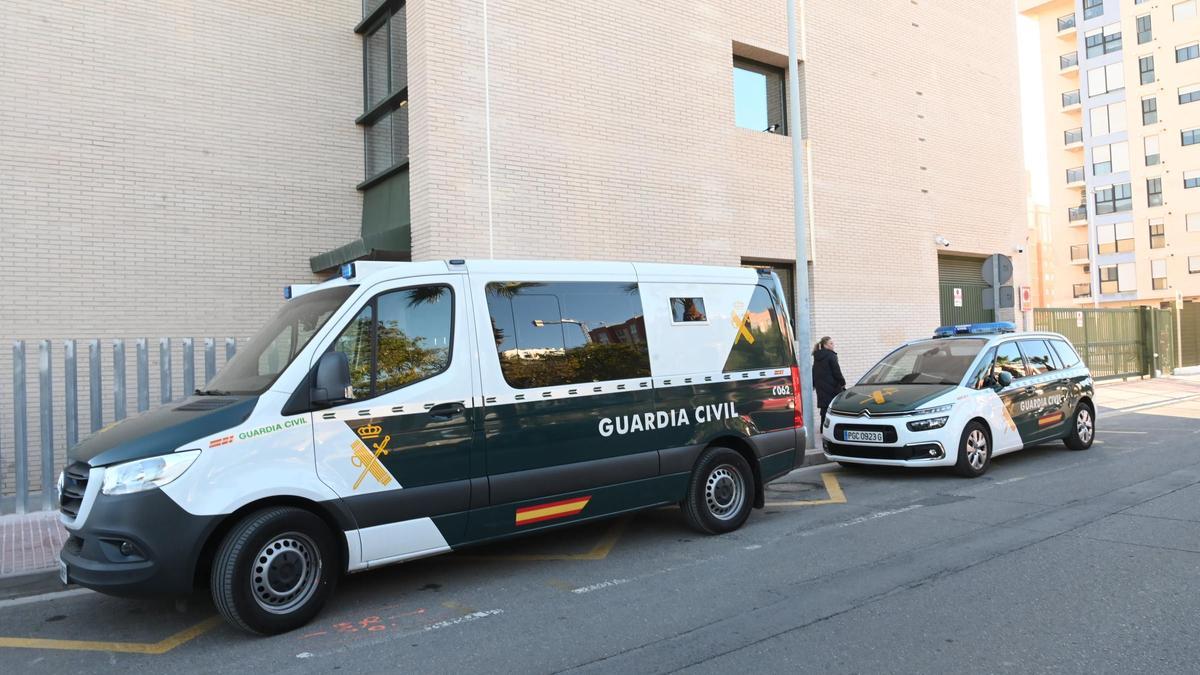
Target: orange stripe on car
[[535, 514], [1053, 418]]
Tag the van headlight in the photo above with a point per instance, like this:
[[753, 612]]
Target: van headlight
[[926, 425], [145, 474]]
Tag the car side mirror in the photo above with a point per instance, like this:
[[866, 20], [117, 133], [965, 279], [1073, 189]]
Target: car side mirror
[[331, 384], [1004, 378]]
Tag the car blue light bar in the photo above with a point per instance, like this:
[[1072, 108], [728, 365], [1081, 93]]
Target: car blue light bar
[[287, 292], [348, 271], [975, 329]]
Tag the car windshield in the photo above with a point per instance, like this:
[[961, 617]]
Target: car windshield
[[256, 365], [927, 362]]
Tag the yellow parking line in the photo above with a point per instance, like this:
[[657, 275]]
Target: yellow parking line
[[153, 648], [832, 488]]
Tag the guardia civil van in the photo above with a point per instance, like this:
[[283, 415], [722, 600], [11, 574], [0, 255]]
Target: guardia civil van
[[970, 393], [402, 410]]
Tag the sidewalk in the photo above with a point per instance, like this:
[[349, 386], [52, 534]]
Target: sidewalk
[[29, 543]]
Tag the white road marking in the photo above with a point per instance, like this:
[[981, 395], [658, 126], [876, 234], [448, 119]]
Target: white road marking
[[1114, 431], [464, 619], [752, 547], [304, 655], [44, 597], [597, 586], [861, 519], [1006, 481]]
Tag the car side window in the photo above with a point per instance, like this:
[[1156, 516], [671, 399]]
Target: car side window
[[1037, 357], [398, 338], [1009, 360], [1065, 352], [981, 378]]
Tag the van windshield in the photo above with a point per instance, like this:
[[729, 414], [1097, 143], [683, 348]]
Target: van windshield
[[256, 365], [928, 362]]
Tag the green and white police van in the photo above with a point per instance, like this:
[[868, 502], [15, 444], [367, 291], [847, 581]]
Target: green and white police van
[[970, 393], [402, 410]]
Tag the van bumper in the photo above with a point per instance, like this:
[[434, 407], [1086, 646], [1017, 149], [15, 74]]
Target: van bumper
[[163, 545]]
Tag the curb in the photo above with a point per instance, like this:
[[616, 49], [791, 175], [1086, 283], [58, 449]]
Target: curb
[[30, 583]]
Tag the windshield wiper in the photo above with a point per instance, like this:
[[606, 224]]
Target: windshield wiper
[[211, 392]]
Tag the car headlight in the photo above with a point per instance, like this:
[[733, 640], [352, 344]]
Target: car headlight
[[935, 410], [825, 424], [145, 474], [926, 425]]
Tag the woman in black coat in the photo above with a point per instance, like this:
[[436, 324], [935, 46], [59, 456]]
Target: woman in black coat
[[827, 375]]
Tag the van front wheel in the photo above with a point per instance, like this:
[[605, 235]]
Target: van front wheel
[[274, 570], [720, 492]]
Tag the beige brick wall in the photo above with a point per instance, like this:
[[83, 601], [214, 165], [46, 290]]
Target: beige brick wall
[[612, 136]]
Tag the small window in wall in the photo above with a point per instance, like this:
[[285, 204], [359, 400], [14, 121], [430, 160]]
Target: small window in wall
[[1114, 238], [1191, 179], [1103, 40], [1114, 198], [1145, 32], [1193, 222], [1108, 119], [1112, 158], [1154, 191], [1187, 52], [759, 96], [555, 333], [1105, 79], [1158, 234], [1158, 274], [1146, 68], [1184, 10], [1149, 110], [688, 310], [1092, 9], [1194, 264], [1189, 136], [385, 94], [1150, 145], [1189, 94]]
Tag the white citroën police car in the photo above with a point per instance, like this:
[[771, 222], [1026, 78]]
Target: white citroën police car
[[403, 410], [970, 393]]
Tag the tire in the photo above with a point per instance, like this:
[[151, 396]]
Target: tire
[[974, 451], [720, 493], [1083, 428], [300, 559]]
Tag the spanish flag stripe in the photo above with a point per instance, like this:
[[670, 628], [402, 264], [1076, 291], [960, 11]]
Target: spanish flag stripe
[[562, 509], [1050, 419]]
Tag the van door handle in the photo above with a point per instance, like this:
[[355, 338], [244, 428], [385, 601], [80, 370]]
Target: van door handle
[[447, 411]]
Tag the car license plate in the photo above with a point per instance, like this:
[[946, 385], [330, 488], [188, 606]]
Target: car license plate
[[864, 436], [62, 573]]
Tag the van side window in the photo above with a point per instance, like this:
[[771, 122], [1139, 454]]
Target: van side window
[[1009, 360], [400, 337], [688, 310], [553, 333], [1065, 352], [1037, 357], [759, 341]]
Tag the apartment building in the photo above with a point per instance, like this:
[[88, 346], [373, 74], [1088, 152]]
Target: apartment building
[[165, 168], [1122, 92]]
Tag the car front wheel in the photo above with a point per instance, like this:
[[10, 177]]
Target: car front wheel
[[1083, 428], [974, 451]]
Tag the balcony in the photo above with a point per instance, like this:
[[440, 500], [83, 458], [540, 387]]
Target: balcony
[[1073, 138], [1068, 63], [1070, 100], [1079, 254], [1066, 26], [1077, 215], [1081, 291], [1075, 177]]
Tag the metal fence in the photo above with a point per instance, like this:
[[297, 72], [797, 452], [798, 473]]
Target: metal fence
[[30, 457], [1128, 342]]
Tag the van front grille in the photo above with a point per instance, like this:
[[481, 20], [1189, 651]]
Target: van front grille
[[75, 479]]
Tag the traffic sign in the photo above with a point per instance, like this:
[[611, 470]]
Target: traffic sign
[[1001, 266]]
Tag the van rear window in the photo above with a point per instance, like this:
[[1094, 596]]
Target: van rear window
[[760, 340], [554, 333]]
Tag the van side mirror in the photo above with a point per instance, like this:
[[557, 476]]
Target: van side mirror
[[1004, 378], [331, 384]]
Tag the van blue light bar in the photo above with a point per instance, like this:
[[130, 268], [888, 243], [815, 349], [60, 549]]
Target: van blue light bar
[[347, 271], [975, 329]]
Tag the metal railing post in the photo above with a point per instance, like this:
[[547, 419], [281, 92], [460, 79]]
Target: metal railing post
[[143, 375], [210, 359], [119, 395], [71, 392], [189, 368], [164, 370], [46, 414], [95, 386], [20, 430]]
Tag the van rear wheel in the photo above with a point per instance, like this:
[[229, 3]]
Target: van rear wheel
[[720, 492], [274, 570]]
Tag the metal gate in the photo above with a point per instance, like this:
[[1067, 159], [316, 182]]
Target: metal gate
[[1189, 333], [960, 290], [1109, 340]]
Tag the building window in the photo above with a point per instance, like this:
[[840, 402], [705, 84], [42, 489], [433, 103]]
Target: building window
[[1184, 10], [1114, 198], [1108, 119], [1112, 158], [1193, 222], [1194, 264], [1154, 192], [759, 96], [1146, 68], [1075, 175], [1150, 144], [1070, 98], [1158, 274], [1092, 9], [1082, 290], [1158, 234], [1149, 110], [1187, 52], [1108, 279], [1191, 179], [1189, 136], [1189, 94], [1105, 79], [1071, 136], [1114, 238], [1068, 60], [1104, 40], [1079, 252], [385, 91], [1144, 31]]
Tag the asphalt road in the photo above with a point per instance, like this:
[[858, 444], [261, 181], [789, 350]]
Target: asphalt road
[[1055, 561]]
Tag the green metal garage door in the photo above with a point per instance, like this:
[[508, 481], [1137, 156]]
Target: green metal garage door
[[1189, 333], [961, 286]]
